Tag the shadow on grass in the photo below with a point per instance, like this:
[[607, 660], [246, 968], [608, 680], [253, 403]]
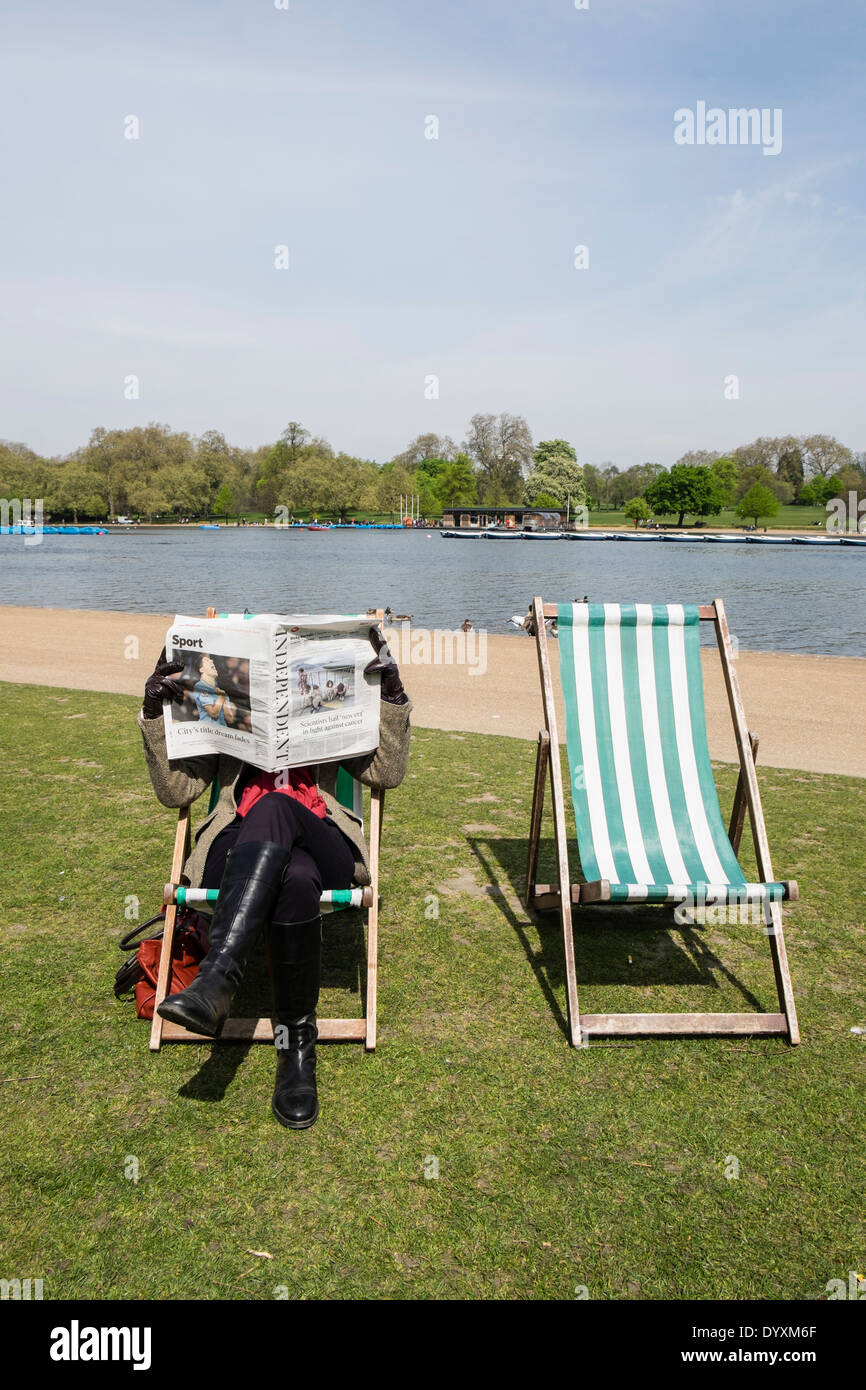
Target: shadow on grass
[[343, 968], [606, 935]]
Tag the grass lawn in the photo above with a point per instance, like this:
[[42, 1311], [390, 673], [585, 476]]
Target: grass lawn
[[556, 1168], [786, 519]]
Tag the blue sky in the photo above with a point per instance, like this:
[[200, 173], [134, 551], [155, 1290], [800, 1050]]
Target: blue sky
[[412, 257]]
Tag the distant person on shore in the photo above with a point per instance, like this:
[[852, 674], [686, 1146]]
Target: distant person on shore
[[271, 846]]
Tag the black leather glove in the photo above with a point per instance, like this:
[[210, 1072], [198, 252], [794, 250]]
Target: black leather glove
[[159, 687], [391, 689]]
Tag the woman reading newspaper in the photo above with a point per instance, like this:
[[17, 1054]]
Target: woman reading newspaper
[[271, 845]]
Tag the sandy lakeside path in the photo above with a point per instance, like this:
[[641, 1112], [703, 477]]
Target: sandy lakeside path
[[809, 711]]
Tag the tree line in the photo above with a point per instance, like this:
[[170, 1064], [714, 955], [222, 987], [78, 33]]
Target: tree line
[[753, 480], [151, 471]]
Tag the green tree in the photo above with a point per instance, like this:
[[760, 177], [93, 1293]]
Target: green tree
[[273, 485], [685, 490], [23, 473], [727, 476], [344, 481], [299, 488], [546, 501], [594, 484], [790, 466], [431, 468], [101, 455], [425, 479], [457, 483], [395, 482], [635, 481], [759, 501], [638, 509], [322, 483], [213, 457], [127, 459], [222, 464], [424, 484], [615, 488], [817, 492], [224, 502], [184, 487], [848, 479], [147, 496], [759, 475], [73, 487]]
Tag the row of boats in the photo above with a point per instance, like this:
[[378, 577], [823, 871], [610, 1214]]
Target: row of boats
[[326, 526], [53, 531], [646, 537]]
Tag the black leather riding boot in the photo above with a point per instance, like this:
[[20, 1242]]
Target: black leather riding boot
[[250, 883], [295, 958]]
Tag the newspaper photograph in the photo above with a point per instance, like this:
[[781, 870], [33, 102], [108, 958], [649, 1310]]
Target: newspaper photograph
[[274, 690]]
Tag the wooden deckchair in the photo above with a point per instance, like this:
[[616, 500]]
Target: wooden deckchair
[[649, 825], [349, 793]]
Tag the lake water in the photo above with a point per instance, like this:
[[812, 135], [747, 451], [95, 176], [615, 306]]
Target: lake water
[[786, 598]]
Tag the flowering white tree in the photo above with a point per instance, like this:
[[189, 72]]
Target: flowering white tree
[[556, 476]]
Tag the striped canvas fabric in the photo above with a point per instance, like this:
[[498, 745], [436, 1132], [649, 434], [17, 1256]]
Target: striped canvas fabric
[[645, 802]]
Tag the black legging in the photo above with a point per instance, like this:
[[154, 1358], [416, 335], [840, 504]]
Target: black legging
[[322, 857]]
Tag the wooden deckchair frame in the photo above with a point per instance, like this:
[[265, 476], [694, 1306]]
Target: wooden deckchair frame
[[566, 895], [260, 1030]]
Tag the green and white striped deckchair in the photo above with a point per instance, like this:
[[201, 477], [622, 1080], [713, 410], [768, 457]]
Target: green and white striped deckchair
[[176, 894], [649, 824]]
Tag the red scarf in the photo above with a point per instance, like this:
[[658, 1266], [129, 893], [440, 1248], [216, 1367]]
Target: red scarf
[[300, 785]]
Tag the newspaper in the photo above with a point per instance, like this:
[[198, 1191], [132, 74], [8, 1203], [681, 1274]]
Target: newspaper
[[275, 690]]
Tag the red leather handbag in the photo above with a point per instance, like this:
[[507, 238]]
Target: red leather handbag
[[188, 949]]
